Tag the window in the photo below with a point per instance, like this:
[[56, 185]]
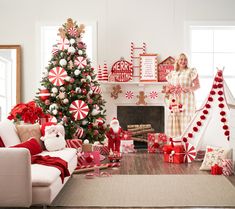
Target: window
[[212, 47], [49, 37]]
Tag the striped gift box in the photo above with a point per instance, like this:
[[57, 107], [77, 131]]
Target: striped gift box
[[227, 166], [74, 143], [103, 149]]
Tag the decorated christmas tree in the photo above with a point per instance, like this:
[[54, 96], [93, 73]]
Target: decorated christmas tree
[[69, 90]]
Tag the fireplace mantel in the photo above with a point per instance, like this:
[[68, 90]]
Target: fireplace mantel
[[134, 88]]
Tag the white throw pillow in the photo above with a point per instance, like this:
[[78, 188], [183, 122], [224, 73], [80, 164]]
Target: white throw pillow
[[214, 155], [8, 133]]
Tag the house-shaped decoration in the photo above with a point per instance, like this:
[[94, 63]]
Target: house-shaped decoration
[[165, 67]]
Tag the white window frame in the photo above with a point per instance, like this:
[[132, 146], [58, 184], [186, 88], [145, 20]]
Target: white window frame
[[208, 25], [40, 48]]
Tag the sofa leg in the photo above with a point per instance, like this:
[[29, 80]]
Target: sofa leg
[[44, 206]]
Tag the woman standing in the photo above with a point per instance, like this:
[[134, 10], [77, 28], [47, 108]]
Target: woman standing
[[182, 82]]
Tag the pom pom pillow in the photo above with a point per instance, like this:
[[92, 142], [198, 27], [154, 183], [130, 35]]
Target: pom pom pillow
[[214, 155]]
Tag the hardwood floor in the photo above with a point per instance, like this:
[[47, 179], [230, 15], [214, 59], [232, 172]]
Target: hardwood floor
[[144, 163]]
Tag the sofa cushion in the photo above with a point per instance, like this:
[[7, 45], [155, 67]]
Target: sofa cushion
[[8, 133], [27, 131], [45, 175], [32, 145]]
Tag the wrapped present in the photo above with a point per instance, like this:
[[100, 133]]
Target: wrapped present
[[88, 158], [152, 142], [127, 146], [74, 143], [103, 149], [174, 154], [227, 167], [216, 170], [127, 135], [87, 147], [156, 141]]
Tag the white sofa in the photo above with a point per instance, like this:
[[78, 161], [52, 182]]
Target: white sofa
[[23, 184]]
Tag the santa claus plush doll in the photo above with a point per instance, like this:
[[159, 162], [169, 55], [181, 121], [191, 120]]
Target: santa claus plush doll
[[115, 135]]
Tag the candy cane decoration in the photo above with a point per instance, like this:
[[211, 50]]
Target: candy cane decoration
[[108, 165]]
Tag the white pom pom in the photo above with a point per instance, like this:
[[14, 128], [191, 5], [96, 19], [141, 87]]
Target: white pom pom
[[63, 62], [86, 141], [96, 143], [66, 101], [84, 122], [80, 52], [77, 72], [68, 78], [78, 90], [54, 90], [62, 88], [71, 50], [53, 106], [71, 41]]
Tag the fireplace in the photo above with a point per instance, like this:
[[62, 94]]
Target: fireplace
[[153, 115]]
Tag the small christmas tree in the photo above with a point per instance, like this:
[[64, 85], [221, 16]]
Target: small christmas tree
[[69, 91]]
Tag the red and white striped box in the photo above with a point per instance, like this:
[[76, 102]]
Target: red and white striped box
[[103, 149], [74, 143]]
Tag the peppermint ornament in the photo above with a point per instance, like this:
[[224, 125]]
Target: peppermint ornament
[[73, 31], [79, 109], [80, 62], [55, 51], [190, 152], [153, 94], [57, 75], [63, 44], [129, 94]]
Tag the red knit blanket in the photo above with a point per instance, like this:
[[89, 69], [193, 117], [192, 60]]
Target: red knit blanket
[[54, 162]]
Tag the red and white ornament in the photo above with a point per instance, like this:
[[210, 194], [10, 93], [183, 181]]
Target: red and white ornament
[[99, 120], [96, 89], [57, 75], [80, 62], [63, 44], [95, 111], [73, 31], [44, 94], [55, 51], [190, 152], [129, 94], [153, 94], [79, 132], [79, 109]]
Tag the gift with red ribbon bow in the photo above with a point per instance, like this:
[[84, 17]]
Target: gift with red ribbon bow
[[174, 154], [216, 170]]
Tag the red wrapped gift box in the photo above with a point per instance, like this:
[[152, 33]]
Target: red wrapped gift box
[[88, 158], [152, 143], [216, 170], [173, 154], [163, 71]]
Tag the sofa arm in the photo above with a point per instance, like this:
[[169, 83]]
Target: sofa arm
[[15, 177]]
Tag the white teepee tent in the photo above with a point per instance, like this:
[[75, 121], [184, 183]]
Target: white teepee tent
[[210, 124]]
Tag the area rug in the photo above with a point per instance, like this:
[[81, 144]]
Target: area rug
[[147, 191]]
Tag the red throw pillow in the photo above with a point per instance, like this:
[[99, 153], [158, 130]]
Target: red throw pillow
[[32, 145], [1, 143], [44, 126]]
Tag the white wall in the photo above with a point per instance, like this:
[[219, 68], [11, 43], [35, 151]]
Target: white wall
[[159, 23]]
